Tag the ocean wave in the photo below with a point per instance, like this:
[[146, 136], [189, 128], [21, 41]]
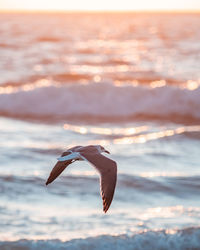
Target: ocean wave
[[101, 101], [180, 186], [188, 238], [88, 181]]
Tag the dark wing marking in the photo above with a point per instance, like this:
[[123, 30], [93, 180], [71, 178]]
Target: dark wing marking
[[108, 172], [57, 170]]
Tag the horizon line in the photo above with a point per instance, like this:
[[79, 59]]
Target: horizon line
[[192, 11]]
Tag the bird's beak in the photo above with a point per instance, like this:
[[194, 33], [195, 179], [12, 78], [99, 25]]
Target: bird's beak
[[106, 151]]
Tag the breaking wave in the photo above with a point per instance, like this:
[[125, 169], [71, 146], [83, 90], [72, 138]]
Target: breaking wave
[[100, 100], [188, 238]]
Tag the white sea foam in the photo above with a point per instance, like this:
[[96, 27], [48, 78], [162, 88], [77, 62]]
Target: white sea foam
[[169, 239], [101, 100]]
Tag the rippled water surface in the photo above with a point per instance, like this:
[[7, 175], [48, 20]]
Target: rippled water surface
[[129, 82]]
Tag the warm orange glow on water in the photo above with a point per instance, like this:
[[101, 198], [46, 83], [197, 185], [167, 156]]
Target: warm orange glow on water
[[192, 85], [42, 83], [143, 138], [157, 84], [105, 131], [156, 135], [27, 87]]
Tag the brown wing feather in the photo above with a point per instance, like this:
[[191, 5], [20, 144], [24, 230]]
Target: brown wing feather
[[108, 172], [57, 170]]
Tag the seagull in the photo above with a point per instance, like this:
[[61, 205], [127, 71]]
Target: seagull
[[92, 154]]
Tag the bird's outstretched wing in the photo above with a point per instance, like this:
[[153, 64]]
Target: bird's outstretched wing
[[108, 172], [57, 170]]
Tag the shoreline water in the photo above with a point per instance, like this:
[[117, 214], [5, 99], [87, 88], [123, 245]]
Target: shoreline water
[[160, 239]]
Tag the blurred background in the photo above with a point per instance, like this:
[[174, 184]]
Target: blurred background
[[124, 75]]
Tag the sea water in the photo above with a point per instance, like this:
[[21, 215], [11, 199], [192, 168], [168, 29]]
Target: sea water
[[127, 81]]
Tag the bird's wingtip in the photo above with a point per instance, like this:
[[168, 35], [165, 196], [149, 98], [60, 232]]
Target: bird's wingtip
[[105, 210], [47, 183]]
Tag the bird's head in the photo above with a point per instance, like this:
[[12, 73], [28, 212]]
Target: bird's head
[[102, 149]]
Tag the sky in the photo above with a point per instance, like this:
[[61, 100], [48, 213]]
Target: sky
[[99, 5]]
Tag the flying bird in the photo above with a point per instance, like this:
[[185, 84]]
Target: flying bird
[[92, 154]]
